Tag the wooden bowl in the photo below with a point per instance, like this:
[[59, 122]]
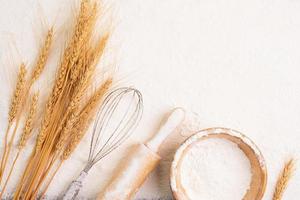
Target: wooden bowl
[[258, 167]]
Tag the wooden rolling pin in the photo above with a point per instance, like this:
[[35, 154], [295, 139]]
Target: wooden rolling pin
[[143, 159]]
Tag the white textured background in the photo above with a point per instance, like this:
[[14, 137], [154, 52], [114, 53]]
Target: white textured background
[[235, 62]]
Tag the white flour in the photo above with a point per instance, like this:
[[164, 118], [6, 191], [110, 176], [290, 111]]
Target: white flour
[[215, 169]]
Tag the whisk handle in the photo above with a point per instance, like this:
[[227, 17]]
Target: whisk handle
[[169, 125], [75, 187]]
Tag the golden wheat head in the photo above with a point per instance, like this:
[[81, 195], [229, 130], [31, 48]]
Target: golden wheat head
[[283, 179], [18, 93]]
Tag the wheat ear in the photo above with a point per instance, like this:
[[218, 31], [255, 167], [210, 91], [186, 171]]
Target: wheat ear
[[283, 179], [13, 111], [27, 130], [17, 97], [43, 56]]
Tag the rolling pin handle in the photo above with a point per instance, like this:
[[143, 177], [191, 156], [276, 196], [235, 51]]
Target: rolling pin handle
[[172, 122]]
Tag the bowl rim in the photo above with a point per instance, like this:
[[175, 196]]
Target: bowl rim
[[258, 165]]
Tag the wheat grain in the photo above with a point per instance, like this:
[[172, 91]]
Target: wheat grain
[[283, 179]]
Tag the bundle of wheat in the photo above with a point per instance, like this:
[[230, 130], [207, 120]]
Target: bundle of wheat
[[18, 102], [69, 109]]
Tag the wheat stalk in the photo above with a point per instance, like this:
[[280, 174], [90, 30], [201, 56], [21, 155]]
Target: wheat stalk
[[27, 130], [13, 112], [283, 179]]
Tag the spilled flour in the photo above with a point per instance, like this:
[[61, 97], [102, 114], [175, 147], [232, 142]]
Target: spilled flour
[[215, 169]]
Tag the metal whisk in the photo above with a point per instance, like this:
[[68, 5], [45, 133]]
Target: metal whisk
[[115, 121]]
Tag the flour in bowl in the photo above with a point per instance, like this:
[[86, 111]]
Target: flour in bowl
[[215, 169]]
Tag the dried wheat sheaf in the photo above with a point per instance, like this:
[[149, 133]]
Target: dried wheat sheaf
[[69, 109]]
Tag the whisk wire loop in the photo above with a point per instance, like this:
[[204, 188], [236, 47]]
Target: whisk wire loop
[[111, 128]]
